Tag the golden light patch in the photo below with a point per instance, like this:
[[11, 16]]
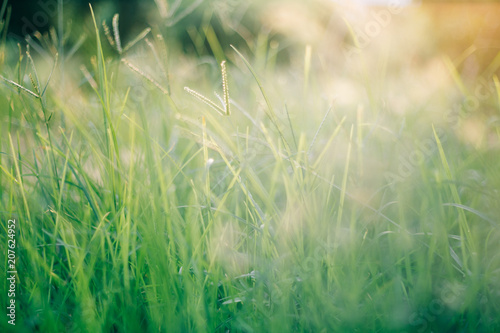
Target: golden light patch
[[472, 131], [294, 20]]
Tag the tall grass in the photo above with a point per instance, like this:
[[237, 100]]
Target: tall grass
[[150, 212]]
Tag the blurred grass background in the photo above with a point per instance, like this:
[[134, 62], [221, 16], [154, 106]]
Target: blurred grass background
[[354, 187]]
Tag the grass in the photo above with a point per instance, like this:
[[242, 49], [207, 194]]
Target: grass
[[141, 208]]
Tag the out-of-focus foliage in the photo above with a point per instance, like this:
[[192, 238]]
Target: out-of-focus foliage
[[231, 21], [352, 188]]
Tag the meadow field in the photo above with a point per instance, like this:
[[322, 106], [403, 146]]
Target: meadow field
[[264, 166]]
